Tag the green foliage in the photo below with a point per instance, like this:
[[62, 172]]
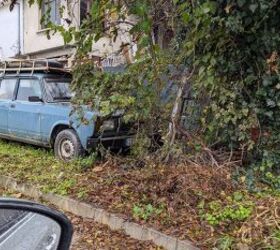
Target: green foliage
[[87, 162], [38, 166], [145, 212], [236, 209], [61, 188], [272, 242], [234, 47], [82, 193], [265, 170], [225, 243], [232, 66], [137, 91], [275, 239], [229, 213]]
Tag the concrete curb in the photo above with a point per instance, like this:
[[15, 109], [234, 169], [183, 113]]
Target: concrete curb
[[99, 215]]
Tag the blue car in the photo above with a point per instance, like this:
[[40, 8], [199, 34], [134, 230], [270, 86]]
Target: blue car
[[35, 108]]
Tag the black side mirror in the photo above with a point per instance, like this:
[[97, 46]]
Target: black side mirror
[[28, 225], [34, 99]]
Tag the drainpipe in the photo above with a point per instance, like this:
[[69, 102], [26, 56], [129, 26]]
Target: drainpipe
[[20, 23]]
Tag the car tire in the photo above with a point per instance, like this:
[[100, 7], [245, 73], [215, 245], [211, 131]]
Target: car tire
[[67, 145]]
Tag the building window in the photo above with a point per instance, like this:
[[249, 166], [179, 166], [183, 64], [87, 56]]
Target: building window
[[50, 12], [84, 9]]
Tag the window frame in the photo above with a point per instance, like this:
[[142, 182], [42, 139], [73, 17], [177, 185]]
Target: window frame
[[80, 10], [47, 95], [15, 87], [18, 85], [58, 21]]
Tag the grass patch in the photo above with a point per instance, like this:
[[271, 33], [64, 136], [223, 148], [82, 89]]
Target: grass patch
[[38, 165]]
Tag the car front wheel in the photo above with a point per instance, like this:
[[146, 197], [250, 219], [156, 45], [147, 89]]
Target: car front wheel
[[67, 145]]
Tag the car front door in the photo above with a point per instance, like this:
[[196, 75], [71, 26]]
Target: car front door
[[7, 90], [24, 115]]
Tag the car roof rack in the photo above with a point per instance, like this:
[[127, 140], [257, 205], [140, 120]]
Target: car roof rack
[[18, 66]]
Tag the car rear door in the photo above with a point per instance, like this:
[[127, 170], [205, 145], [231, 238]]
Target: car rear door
[[7, 91], [24, 116]]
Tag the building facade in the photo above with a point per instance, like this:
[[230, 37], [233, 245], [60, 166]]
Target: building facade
[[36, 42], [11, 36], [30, 40]]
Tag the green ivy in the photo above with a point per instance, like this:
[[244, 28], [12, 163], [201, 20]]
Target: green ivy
[[235, 209], [234, 47]]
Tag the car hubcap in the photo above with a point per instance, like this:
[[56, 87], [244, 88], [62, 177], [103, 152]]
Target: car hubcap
[[67, 149]]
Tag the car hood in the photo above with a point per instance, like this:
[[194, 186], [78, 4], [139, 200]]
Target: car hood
[[86, 110], [68, 106]]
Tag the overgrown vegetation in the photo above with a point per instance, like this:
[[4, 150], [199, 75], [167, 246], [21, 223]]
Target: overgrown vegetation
[[188, 201], [221, 54]]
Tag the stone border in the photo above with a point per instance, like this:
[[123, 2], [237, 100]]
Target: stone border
[[99, 215]]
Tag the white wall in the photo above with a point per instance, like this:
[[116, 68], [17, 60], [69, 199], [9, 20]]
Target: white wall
[[9, 32], [35, 39], [36, 43]]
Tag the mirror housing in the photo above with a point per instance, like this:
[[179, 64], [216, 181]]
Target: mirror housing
[[28, 206], [34, 99]]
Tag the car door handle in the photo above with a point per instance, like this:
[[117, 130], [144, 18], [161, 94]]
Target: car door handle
[[12, 105]]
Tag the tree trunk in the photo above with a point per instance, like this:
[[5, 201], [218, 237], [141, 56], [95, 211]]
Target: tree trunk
[[176, 111]]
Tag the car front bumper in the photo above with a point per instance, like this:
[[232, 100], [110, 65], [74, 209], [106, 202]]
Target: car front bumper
[[111, 142]]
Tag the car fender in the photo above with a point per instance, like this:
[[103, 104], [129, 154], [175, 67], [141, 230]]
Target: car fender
[[83, 131], [58, 123]]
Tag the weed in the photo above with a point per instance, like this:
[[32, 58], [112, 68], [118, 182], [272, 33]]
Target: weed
[[218, 213], [145, 212], [62, 188], [82, 193], [87, 162], [225, 243], [273, 242]]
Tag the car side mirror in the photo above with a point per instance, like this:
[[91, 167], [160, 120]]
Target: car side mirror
[[28, 225], [34, 99]]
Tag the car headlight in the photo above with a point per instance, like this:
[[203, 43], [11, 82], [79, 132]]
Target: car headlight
[[108, 125]]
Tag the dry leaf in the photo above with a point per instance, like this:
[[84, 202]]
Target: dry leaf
[[97, 169], [19, 195]]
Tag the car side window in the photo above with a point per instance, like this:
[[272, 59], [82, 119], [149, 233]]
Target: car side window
[[7, 88], [27, 88]]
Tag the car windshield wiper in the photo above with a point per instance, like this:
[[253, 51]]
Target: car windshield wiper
[[62, 98]]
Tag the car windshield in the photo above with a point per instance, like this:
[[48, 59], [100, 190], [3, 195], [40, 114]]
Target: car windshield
[[59, 89]]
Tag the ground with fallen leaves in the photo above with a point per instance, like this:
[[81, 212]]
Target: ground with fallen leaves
[[208, 205], [89, 235]]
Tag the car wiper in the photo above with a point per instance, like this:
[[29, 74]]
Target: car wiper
[[62, 98]]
